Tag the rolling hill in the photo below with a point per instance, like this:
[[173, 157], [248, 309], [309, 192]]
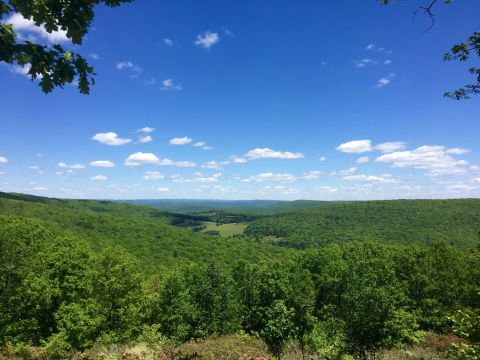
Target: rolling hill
[[144, 232], [394, 221]]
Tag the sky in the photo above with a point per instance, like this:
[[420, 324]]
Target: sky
[[250, 100]]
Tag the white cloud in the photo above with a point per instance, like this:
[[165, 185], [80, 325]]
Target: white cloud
[[457, 151], [328, 189], [238, 160], [322, 158], [199, 144], [364, 62], [207, 147], [212, 165], [207, 39], [146, 129], [180, 141], [140, 158], [98, 178], [71, 167], [389, 147], [110, 138], [384, 179], [102, 164], [153, 175], [128, 65], [21, 25], [145, 139], [34, 167], [356, 146], [432, 158], [462, 187], [169, 84], [311, 175], [162, 189], [344, 172], [94, 56], [363, 160], [183, 163], [197, 178], [266, 153], [271, 177], [384, 81], [3, 160], [387, 62], [370, 47], [168, 42]]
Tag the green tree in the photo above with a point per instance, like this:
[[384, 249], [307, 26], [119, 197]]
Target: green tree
[[117, 292], [279, 327], [53, 66]]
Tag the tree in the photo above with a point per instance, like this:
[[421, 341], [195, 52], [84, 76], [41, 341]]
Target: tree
[[278, 327], [461, 51], [53, 66]]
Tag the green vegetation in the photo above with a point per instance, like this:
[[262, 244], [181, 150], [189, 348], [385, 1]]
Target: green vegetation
[[83, 276], [397, 221], [236, 207], [227, 230], [144, 232]]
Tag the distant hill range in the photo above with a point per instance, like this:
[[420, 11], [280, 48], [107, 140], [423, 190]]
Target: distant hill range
[[456, 221], [251, 207]]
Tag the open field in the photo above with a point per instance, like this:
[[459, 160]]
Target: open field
[[226, 230]]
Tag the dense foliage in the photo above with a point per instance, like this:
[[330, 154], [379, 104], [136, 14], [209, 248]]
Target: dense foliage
[[396, 221], [144, 232], [66, 292]]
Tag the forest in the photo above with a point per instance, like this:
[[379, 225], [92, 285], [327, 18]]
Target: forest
[[98, 279]]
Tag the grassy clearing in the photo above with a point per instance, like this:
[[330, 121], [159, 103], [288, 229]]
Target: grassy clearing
[[226, 230]]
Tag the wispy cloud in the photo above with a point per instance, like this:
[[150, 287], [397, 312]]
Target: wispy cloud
[[169, 84], [128, 65], [384, 81], [71, 167], [267, 153], [98, 178], [207, 39]]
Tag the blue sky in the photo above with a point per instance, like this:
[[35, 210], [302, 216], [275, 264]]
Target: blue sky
[[283, 100]]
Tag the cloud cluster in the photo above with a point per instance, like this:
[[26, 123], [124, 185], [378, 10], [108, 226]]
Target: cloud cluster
[[110, 138], [267, 153], [140, 158], [71, 167], [207, 39], [438, 160]]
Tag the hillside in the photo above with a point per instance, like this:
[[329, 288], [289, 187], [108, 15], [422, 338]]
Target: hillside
[[142, 231], [395, 221], [250, 207]]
